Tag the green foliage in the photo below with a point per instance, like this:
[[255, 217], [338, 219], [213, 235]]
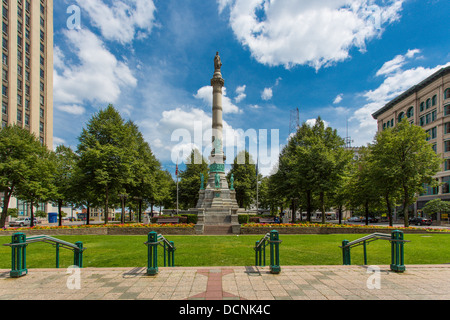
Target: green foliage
[[190, 182], [436, 206], [244, 171], [40, 214], [26, 168], [13, 212], [411, 161]]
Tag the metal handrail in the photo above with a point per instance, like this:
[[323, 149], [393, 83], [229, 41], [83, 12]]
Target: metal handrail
[[262, 241], [160, 239], [370, 238], [48, 239]]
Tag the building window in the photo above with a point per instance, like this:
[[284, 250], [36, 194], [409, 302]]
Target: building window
[[445, 184], [41, 127], [447, 146], [447, 165], [434, 100], [428, 105], [4, 108], [27, 120], [401, 116], [410, 112], [432, 133], [422, 106], [447, 93]]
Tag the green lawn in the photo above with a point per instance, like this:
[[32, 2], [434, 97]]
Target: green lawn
[[130, 251]]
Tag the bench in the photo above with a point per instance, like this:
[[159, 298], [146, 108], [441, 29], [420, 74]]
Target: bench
[[168, 220], [266, 220]]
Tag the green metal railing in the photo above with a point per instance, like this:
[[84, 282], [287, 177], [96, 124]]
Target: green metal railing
[[155, 240], [397, 248], [19, 245], [273, 240]]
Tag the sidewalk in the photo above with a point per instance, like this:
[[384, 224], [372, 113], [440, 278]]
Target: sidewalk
[[418, 282]]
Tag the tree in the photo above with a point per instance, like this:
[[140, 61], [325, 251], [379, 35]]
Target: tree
[[360, 187], [190, 182], [244, 179], [107, 155], [411, 159], [22, 157], [312, 164], [435, 207], [65, 162]]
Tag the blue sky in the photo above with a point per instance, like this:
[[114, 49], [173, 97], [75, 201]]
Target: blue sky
[[153, 60]]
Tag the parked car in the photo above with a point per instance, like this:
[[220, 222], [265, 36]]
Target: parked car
[[373, 219], [24, 222], [420, 221], [354, 219]]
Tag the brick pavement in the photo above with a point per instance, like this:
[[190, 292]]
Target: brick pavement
[[428, 282]]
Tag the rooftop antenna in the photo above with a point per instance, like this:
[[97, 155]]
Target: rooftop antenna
[[294, 123]]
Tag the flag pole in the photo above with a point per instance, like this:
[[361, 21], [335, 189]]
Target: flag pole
[[176, 173], [257, 188]]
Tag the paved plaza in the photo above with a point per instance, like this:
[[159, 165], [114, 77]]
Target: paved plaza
[[418, 282]]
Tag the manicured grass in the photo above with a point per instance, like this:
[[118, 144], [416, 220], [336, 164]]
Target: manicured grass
[[130, 251]]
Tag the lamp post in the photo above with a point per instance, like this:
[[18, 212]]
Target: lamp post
[[123, 197]]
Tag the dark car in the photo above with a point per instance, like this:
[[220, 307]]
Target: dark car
[[373, 219], [420, 221]]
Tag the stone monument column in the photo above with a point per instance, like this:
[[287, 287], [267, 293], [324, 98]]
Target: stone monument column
[[217, 159], [217, 206]]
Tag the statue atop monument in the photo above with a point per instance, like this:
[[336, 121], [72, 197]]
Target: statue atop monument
[[217, 62]]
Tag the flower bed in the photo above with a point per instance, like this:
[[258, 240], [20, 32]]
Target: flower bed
[[102, 229], [317, 228]]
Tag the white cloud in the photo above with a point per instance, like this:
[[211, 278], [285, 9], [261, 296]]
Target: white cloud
[[303, 32], [206, 93], [123, 20], [397, 63], [57, 142], [312, 122], [72, 109], [394, 84], [98, 77], [267, 94], [240, 91], [338, 99]]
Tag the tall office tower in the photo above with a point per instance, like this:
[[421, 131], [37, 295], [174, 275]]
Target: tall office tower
[[27, 72], [27, 66]]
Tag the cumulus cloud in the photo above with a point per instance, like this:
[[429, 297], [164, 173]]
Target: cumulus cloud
[[97, 77], [396, 81], [338, 99], [123, 20], [72, 109], [267, 94], [240, 92], [303, 32]]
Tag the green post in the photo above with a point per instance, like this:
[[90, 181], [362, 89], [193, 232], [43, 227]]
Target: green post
[[365, 253], [257, 255], [346, 253], [57, 255], [78, 254], [397, 252], [172, 254], [18, 255], [274, 252], [152, 261]]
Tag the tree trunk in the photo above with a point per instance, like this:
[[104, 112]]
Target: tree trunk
[[31, 215], [340, 214], [88, 215], [367, 212], [389, 209], [106, 206], [322, 206], [308, 206], [60, 212], [405, 207], [6, 198]]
